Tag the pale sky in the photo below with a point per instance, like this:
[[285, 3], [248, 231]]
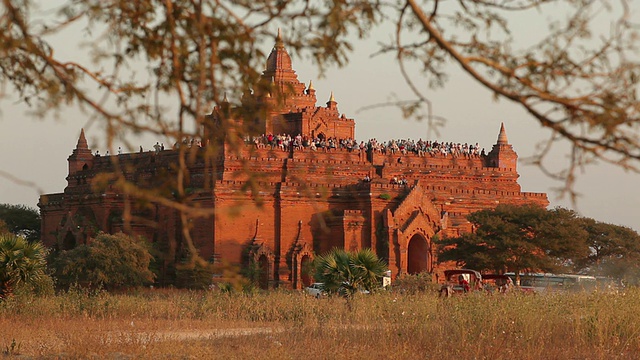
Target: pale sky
[[36, 150]]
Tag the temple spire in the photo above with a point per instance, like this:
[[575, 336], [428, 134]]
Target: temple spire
[[279, 41], [502, 137], [82, 141], [279, 62], [81, 158]]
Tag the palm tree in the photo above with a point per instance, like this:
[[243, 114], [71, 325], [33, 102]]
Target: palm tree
[[21, 263], [346, 273]]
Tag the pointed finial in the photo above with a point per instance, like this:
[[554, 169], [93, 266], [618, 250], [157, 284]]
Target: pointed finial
[[279, 38], [310, 85], [331, 98], [298, 238], [225, 100], [502, 137], [82, 141], [255, 236]]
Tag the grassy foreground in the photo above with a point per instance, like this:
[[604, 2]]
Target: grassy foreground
[[283, 325]]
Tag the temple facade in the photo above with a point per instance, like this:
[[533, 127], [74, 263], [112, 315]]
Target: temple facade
[[304, 202]]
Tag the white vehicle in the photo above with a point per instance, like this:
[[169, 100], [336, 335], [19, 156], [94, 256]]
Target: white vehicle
[[315, 289]]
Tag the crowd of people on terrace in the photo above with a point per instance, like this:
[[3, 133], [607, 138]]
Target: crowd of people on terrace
[[286, 142], [158, 147]]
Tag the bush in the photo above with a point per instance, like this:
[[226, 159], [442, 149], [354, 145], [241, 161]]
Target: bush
[[194, 276], [43, 286], [109, 261], [229, 279]]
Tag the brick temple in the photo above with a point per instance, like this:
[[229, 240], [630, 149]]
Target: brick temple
[[306, 200]]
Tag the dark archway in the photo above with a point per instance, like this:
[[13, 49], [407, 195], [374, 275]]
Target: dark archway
[[263, 264], [418, 255], [69, 241], [114, 221], [305, 270]]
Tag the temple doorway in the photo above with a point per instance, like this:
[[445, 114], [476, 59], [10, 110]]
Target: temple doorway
[[305, 270], [263, 264], [418, 255], [69, 241]]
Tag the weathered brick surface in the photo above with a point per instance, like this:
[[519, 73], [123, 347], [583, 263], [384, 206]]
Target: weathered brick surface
[[305, 202]]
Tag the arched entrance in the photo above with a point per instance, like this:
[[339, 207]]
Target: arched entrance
[[114, 221], [418, 255], [69, 241], [305, 270], [263, 264]]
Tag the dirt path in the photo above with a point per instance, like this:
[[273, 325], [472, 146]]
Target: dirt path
[[143, 337]]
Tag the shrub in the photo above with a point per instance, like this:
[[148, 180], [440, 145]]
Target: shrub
[[193, 276], [112, 261]]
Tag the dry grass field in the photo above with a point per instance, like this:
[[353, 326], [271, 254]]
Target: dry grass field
[[171, 324]]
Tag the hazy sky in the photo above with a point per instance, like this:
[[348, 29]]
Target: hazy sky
[[36, 150]]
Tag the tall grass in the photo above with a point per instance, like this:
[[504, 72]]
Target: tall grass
[[290, 325]]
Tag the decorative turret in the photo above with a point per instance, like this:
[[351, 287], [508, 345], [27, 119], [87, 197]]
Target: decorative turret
[[502, 154], [332, 104], [311, 90], [225, 107], [81, 158]]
